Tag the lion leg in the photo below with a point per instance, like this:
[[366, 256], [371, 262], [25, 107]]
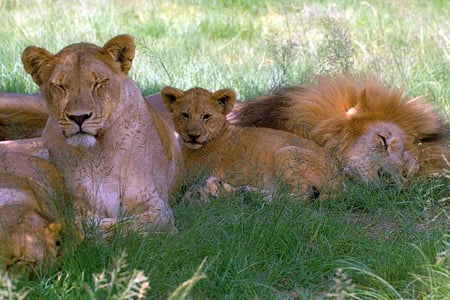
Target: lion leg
[[32, 146], [157, 219], [302, 171], [136, 223]]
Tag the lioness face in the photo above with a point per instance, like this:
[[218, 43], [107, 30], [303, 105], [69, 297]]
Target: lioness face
[[81, 85], [198, 115], [382, 150]]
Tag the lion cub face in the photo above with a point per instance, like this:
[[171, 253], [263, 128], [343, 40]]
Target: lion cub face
[[198, 115], [82, 85]]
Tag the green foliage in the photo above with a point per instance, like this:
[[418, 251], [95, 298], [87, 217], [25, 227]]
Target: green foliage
[[9, 290], [377, 242]]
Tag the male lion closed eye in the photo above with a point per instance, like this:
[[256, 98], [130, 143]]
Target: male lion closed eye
[[118, 158], [256, 157]]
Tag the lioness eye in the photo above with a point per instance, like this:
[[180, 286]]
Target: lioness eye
[[58, 87], [185, 116], [206, 117]]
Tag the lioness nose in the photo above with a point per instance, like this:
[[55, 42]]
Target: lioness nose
[[79, 119]]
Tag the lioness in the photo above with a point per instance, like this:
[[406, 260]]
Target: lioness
[[29, 226], [118, 158], [256, 157], [371, 130]]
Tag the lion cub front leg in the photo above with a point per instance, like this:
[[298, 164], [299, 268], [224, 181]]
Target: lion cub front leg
[[214, 187]]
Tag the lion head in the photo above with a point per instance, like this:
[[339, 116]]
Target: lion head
[[81, 84], [381, 150], [197, 120], [370, 129]]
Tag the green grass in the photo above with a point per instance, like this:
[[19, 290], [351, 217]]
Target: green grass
[[377, 243]]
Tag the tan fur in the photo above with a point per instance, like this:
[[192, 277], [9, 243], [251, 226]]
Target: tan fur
[[21, 116], [369, 128], [118, 158], [29, 227], [256, 157]]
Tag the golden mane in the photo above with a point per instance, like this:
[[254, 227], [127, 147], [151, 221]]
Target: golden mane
[[336, 112]]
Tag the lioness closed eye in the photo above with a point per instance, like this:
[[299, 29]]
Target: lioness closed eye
[[240, 156]]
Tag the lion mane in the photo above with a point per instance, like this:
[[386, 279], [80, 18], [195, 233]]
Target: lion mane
[[367, 126]]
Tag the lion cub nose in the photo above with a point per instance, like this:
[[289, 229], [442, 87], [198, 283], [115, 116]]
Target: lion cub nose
[[79, 119], [194, 136]]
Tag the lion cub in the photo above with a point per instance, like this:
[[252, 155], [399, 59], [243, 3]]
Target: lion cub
[[256, 157]]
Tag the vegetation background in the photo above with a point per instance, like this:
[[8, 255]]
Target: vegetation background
[[377, 242]]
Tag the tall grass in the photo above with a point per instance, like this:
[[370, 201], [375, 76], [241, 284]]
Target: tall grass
[[377, 243]]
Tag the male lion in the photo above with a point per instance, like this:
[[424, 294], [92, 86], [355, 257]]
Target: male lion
[[256, 157], [119, 160], [29, 227], [369, 128]]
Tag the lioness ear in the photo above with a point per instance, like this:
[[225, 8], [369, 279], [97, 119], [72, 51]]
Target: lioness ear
[[226, 99], [122, 49], [170, 95], [34, 59]]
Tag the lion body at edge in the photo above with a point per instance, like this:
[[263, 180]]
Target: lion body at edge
[[30, 188]]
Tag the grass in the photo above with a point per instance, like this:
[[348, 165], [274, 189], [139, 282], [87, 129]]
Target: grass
[[377, 243]]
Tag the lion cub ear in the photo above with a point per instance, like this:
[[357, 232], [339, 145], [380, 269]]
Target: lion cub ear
[[122, 49], [170, 95], [34, 60], [225, 98]]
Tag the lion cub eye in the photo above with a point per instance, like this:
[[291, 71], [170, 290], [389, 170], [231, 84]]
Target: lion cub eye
[[185, 116], [206, 117]]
